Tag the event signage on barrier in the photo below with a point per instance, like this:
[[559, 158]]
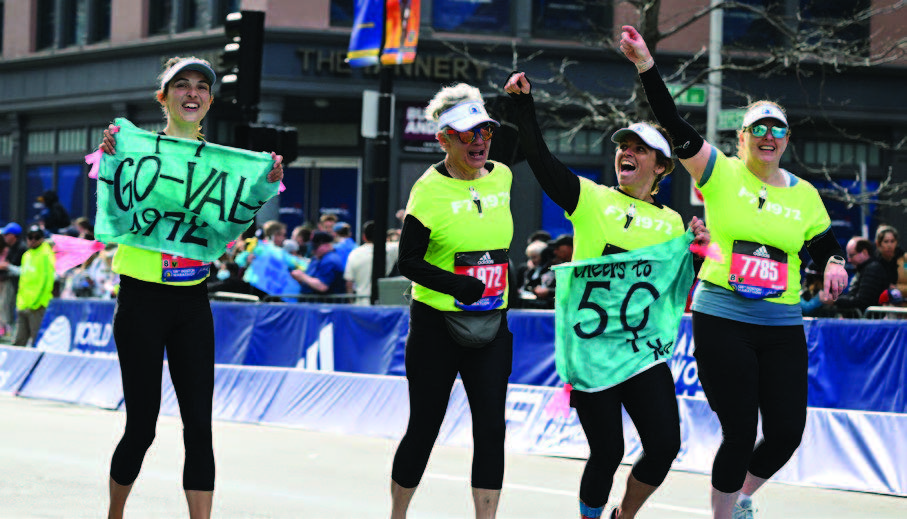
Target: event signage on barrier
[[180, 196], [843, 354]]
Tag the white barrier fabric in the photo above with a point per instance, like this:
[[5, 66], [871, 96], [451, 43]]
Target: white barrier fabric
[[852, 450]]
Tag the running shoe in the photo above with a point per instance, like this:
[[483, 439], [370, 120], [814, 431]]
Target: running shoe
[[744, 509]]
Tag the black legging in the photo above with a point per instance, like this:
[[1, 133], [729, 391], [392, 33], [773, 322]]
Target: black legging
[[150, 317], [650, 400], [433, 360], [746, 369]]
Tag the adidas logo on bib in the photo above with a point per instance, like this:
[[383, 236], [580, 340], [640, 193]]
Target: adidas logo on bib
[[485, 259], [761, 252]]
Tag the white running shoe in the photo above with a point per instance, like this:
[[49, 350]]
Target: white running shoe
[[744, 509]]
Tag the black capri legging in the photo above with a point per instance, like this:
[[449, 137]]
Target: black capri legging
[[150, 317], [746, 369], [433, 360], [651, 402]]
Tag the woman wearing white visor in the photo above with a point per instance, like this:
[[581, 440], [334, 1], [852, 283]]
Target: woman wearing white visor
[[609, 220]]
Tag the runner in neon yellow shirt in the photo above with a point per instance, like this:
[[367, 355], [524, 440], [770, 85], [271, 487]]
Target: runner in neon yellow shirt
[[609, 362], [747, 323]]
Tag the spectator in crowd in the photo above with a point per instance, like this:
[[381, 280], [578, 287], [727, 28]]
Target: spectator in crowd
[[813, 300], [539, 235], [867, 283], [9, 273], [533, 259], [53, 216], [393, 235], [889, 253], [561, 252], [358, 270], [302, 234], [36, 284], [228, 279], [274, 234], [83, 228], [343, 240], [324, 274], [4, 323], [326, 223]]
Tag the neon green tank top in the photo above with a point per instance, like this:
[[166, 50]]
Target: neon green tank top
[[468, 219], [607, 220], [760, 230]]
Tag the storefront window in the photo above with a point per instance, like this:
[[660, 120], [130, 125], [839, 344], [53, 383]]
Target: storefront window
[[159, 14], [485, 16], [573, 20], [99, 25], [745, 29]]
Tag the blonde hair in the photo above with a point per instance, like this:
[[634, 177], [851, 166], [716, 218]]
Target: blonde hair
[[450, 96], [161, 94]]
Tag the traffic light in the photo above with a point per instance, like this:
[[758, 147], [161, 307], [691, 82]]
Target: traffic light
[[240, 61], [283, 140]]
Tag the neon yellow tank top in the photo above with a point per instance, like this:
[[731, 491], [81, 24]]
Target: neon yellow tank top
[[143, 264], [464, 216], [607, 220], [760, 230]]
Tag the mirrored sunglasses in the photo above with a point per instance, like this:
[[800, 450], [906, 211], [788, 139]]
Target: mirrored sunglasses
[[467, 137], [759, 130]]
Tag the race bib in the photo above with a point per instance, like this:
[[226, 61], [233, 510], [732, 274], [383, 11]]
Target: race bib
[[757, 271], [175, 268], [489, 267]]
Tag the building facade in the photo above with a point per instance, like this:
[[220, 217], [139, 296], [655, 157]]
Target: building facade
[[69, 67]]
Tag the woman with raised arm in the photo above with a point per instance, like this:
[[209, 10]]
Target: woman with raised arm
[[747, 323], [608, 220]]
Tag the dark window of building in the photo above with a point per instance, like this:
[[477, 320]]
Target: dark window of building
[[570, 19], [68, 23], [1, 26], [188, 15], [99, 24], [820, 22], [221, 9], [483, 16], [47, 17], [745, 29], [342, 13], [159, 14]]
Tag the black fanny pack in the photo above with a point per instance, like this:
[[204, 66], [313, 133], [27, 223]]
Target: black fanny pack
[[473, 329]]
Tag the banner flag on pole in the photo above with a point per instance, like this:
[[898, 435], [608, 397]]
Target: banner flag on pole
[[368, 30], [402, 32]]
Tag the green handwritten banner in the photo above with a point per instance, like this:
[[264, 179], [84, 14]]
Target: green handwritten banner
[[618, 314], [184, 197]]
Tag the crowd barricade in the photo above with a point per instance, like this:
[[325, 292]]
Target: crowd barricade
[[314, 366]]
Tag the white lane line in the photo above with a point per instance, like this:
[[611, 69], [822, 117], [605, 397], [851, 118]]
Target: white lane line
[[543, 490]]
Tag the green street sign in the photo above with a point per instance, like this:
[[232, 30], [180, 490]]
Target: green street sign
[[693, 96], [730, 119]]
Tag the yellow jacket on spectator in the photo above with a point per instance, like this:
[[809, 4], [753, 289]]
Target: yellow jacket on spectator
[[36, 279]]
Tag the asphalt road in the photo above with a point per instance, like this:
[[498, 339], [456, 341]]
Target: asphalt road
[[54, 461]]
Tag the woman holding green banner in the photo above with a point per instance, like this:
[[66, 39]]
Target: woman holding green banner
[[454, 247], [162, 304], [751, 348], [618, 361]]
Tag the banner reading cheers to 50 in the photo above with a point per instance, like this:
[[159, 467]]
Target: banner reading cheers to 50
[[179, 196], [616, 315]]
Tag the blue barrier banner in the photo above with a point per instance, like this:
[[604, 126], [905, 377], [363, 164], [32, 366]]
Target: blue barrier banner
[[75, 378], [853, 364], [78, 325], [15, 365]]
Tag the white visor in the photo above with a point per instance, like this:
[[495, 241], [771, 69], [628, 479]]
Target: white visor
[[189, 64], [763, 111], [465, 116], [649, 135]]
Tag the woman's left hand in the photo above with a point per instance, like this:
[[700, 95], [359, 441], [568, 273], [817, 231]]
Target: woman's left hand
[[276, 174], [835, 280], [700, 232]]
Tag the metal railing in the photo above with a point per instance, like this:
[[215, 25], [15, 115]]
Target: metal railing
[[885, 312]]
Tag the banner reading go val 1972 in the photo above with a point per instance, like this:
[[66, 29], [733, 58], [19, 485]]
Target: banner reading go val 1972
[[180, 196]]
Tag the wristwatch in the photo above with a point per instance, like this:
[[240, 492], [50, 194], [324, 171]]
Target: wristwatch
[[836, 260]]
